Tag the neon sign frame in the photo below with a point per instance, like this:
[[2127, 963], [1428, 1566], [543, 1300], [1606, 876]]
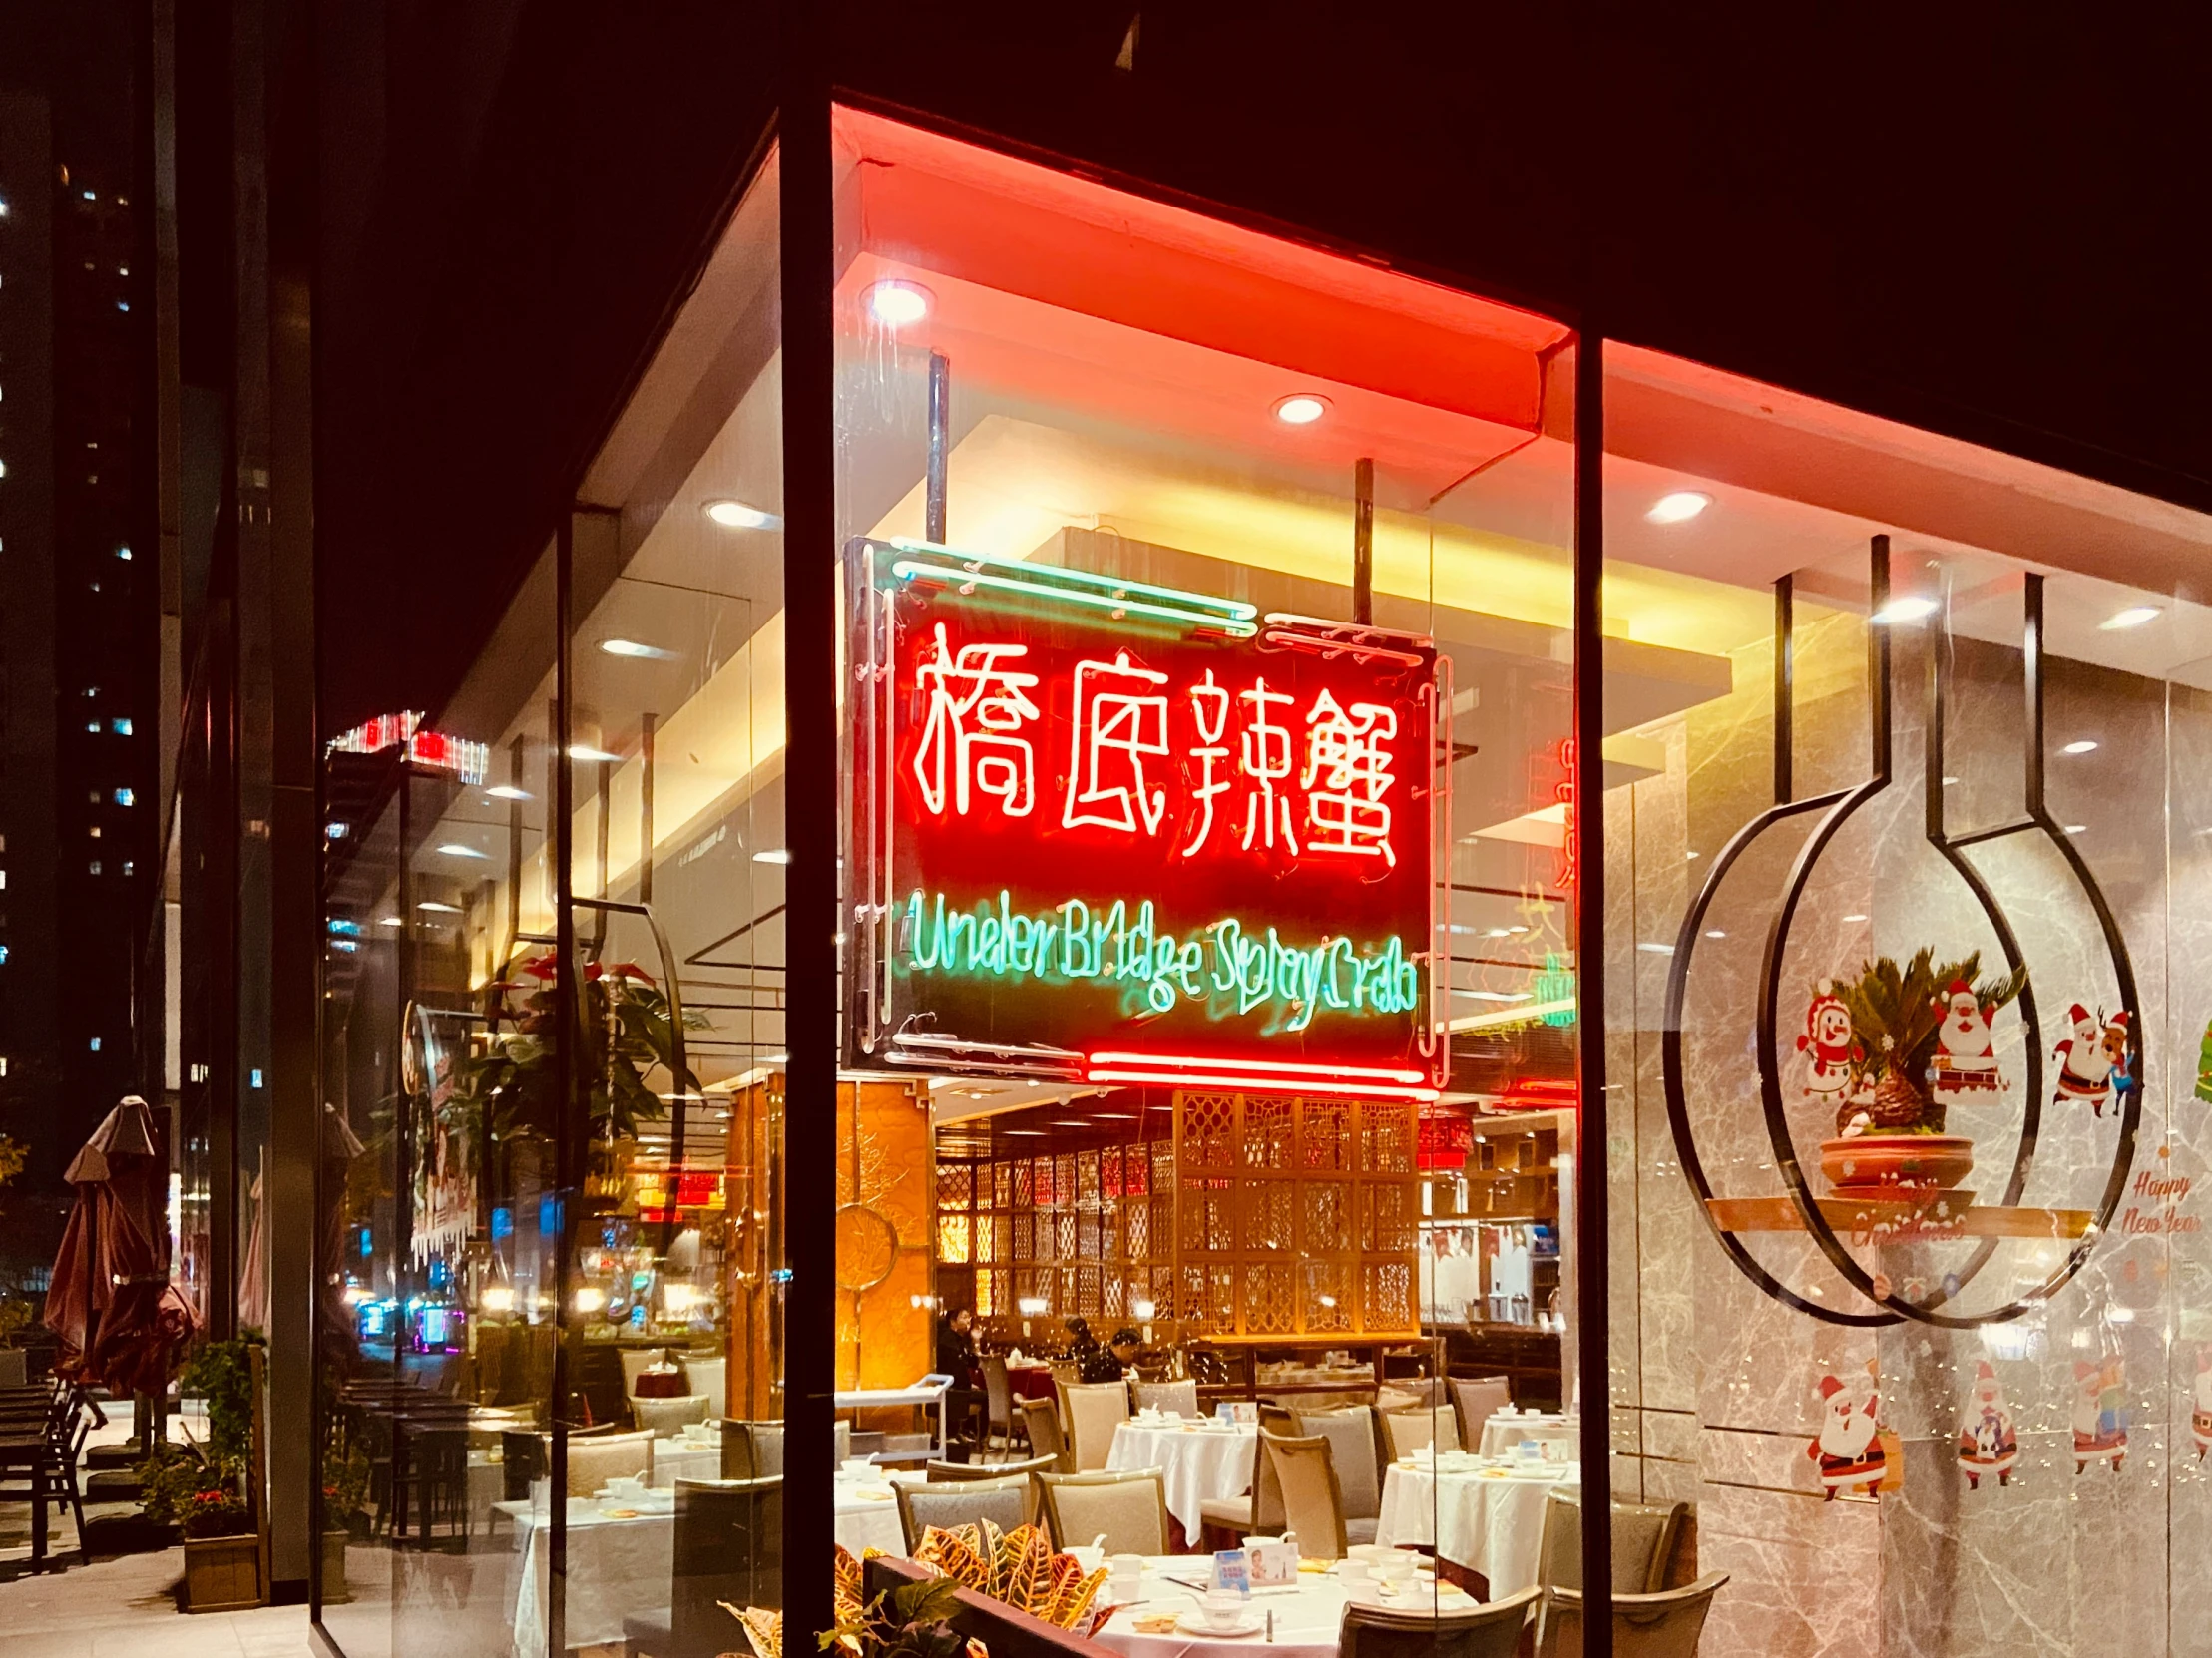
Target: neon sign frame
[[1111, 831]]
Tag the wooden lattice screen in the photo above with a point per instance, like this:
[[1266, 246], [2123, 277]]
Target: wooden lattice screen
[[1298, 1217]]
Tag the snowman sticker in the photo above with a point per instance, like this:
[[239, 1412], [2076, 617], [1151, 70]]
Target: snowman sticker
[[1966, 1054], [1988, 1440], [1848, 1449], [2085, 1068], [2200, 1415], [1831, 1056], [2100, 1415]]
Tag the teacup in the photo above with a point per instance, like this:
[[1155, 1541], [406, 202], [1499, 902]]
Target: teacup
[[622, 1487], [1127, 1580], [1088, 1556], [1223, 1609], [857, 1467], [1352, 1573]]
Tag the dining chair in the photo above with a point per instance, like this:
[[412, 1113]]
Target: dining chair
[[940, 1474], [708, 1373], [1404, 1432], [999, 1415], [751, 1450], [1313, 1506], [1643, 1542], [1352, 1450], [636, 1360], [1045, 1440], [1182, 1397], [1095, 1411], [595, 1459], [1259, 1513], [1006, 1504], [1479, 1397], [665, 1417], [1487, 1629], [728, 1547], [1131, 1509], [1662, 1625]]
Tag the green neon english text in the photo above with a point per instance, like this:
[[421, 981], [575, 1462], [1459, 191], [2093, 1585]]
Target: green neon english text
[[1078, 940]]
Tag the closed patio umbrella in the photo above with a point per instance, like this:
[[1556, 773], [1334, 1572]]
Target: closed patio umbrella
[[122, 1324]]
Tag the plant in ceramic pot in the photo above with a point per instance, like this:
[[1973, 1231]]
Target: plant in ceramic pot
[[1891, 1124]]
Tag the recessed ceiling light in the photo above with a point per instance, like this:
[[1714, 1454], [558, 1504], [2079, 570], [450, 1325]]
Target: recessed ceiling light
[[736, 515], [507, 791], [631, 648], [1679, 506], [2133, 617], [1657, 949], [1300, 408], [2080, 745], [773, 855], [1715, 933], [895, 304], [1855, 918], [389, 920], [454, 849], [1499, 996], [432, 906], [1947, 781], [1910, 607], [2077, 828], [585, 751]]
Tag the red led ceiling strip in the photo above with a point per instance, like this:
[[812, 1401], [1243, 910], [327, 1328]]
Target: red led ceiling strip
[[1180, 1071]]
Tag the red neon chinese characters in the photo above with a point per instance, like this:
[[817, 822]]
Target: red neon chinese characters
[[975, 706], [1120, 717], [1209, 750], [1266, 761], [1346, 757]]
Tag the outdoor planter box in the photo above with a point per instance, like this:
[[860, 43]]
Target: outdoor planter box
[[222, 1574]]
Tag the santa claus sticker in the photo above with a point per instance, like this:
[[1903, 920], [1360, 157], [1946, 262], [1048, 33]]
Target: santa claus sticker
[[2093, 1058], [1988, 1440], [1850, 1451], [1965, 1065], [2099, 1413], [2200, 1416]]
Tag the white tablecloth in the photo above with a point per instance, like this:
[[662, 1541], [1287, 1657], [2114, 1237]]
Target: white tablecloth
[[1306, 1617], [674, 1459], [1493, 1525], [620, 1568], [1200, 1464], [1501, 1434]]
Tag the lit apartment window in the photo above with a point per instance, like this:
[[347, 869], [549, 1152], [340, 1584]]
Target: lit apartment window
[[125, 798], [121, 727], [94, 866], [96, 1044]]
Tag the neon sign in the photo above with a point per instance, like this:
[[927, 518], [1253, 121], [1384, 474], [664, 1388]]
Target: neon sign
[[1115, 830], [467, 759]]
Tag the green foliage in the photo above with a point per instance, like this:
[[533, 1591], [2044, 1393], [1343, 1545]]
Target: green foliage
[[177, 1487], [221, 1374], [627, 1032], [910, 1621], [345, 1485], [1897, 1015]]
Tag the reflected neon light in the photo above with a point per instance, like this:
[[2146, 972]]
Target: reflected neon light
[[1180, 1072], [1077, 941]]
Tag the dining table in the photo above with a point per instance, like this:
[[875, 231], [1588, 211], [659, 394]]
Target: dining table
[[1509, 1429], [1200, 1458], [1307, 1615], [1483, 1514], [622, 1557]]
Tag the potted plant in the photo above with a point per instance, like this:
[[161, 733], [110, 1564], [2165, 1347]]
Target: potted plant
[[346, 1484], [1891, 1138], [203, 1497]]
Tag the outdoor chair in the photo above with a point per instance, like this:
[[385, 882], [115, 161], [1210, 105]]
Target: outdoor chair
[[1259, 1513], [1479, 1397], [1662, 1625], [1095, 1411], [1313, 1506], [1004, 1502], [1129, 1508], [1180, 1397], [1042, 1418], [1490, 1629], [728, 1547]]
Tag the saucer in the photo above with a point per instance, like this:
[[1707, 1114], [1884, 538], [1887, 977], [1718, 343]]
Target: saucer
[[1194, 1624]]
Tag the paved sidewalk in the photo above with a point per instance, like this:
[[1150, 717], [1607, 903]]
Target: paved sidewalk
[[123, 1608]]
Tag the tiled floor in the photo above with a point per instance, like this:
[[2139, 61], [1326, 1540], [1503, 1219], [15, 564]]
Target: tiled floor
[[123, 1608]]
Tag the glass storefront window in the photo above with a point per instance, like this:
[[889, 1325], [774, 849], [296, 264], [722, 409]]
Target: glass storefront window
[[1906, 1022]]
